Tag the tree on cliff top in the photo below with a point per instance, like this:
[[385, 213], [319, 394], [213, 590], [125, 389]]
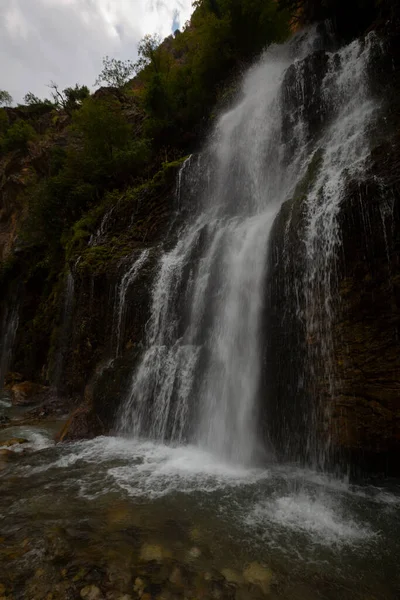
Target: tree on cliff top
[[70, 98], [5, 98], [115, 72]]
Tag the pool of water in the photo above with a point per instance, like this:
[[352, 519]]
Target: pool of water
[[113, 510]]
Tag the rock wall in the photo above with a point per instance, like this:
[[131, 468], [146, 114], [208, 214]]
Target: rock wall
[[356, 421]]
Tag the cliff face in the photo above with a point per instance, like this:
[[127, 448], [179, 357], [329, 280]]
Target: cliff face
[[341, 377], [82, 320]]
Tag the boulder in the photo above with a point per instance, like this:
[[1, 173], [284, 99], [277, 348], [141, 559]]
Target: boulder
[[83, 424], [258, 575], [26, 392], [91, 592]]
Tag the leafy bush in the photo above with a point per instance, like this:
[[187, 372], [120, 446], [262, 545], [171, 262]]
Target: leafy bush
[[18, 136]]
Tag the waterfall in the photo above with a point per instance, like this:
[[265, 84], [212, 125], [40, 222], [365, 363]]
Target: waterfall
[[308, 258], [8, 332], [119, 312], [345, 149], [201, 376], [64, 332]]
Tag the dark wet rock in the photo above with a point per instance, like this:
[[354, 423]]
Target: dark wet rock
[[363, 425], [57, 547], [84, 423], [5, 455], [27, 392]]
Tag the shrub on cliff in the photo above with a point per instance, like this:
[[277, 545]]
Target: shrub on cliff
[[180, 79], [5, 98], [101, 153], [17, 136]]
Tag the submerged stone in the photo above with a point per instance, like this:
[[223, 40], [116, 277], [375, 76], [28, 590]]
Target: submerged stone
[[258, 575], [154, 552], [91, 592], [232, 576], [176, 578]]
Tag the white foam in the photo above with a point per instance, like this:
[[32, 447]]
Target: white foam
[[319, 517], [165, 470], [279, 501], [36, 439]]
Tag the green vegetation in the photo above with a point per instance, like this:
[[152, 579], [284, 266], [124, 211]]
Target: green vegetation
[[119, 138], [5, 98], [181, 79], [69, 99], [115, 72], [15, 136]]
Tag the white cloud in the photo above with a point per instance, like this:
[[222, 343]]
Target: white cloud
[[65, 40]]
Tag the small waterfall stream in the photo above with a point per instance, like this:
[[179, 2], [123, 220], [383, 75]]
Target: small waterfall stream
[[8, 330], [119, 310], [64, 332], [200, 375]]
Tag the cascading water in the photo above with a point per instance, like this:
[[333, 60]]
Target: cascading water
[[62, 347], [307, 254], [345, 148], [8, 332], [200, 375], [119, 312]]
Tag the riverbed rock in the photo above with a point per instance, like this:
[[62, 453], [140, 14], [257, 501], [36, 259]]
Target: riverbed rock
[[176, 578], [149, 552], [139, 585], [6, 454], [13, 442], [259, 575], [232, 576], [91, 592]]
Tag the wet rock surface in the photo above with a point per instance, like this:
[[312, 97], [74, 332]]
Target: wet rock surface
[[27, 392], [354, 402], [83, 424]]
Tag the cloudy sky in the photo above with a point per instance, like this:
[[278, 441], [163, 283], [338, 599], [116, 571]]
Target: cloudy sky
[[65, 40]]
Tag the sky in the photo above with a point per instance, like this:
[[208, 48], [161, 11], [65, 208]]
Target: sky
[[65, 40]]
